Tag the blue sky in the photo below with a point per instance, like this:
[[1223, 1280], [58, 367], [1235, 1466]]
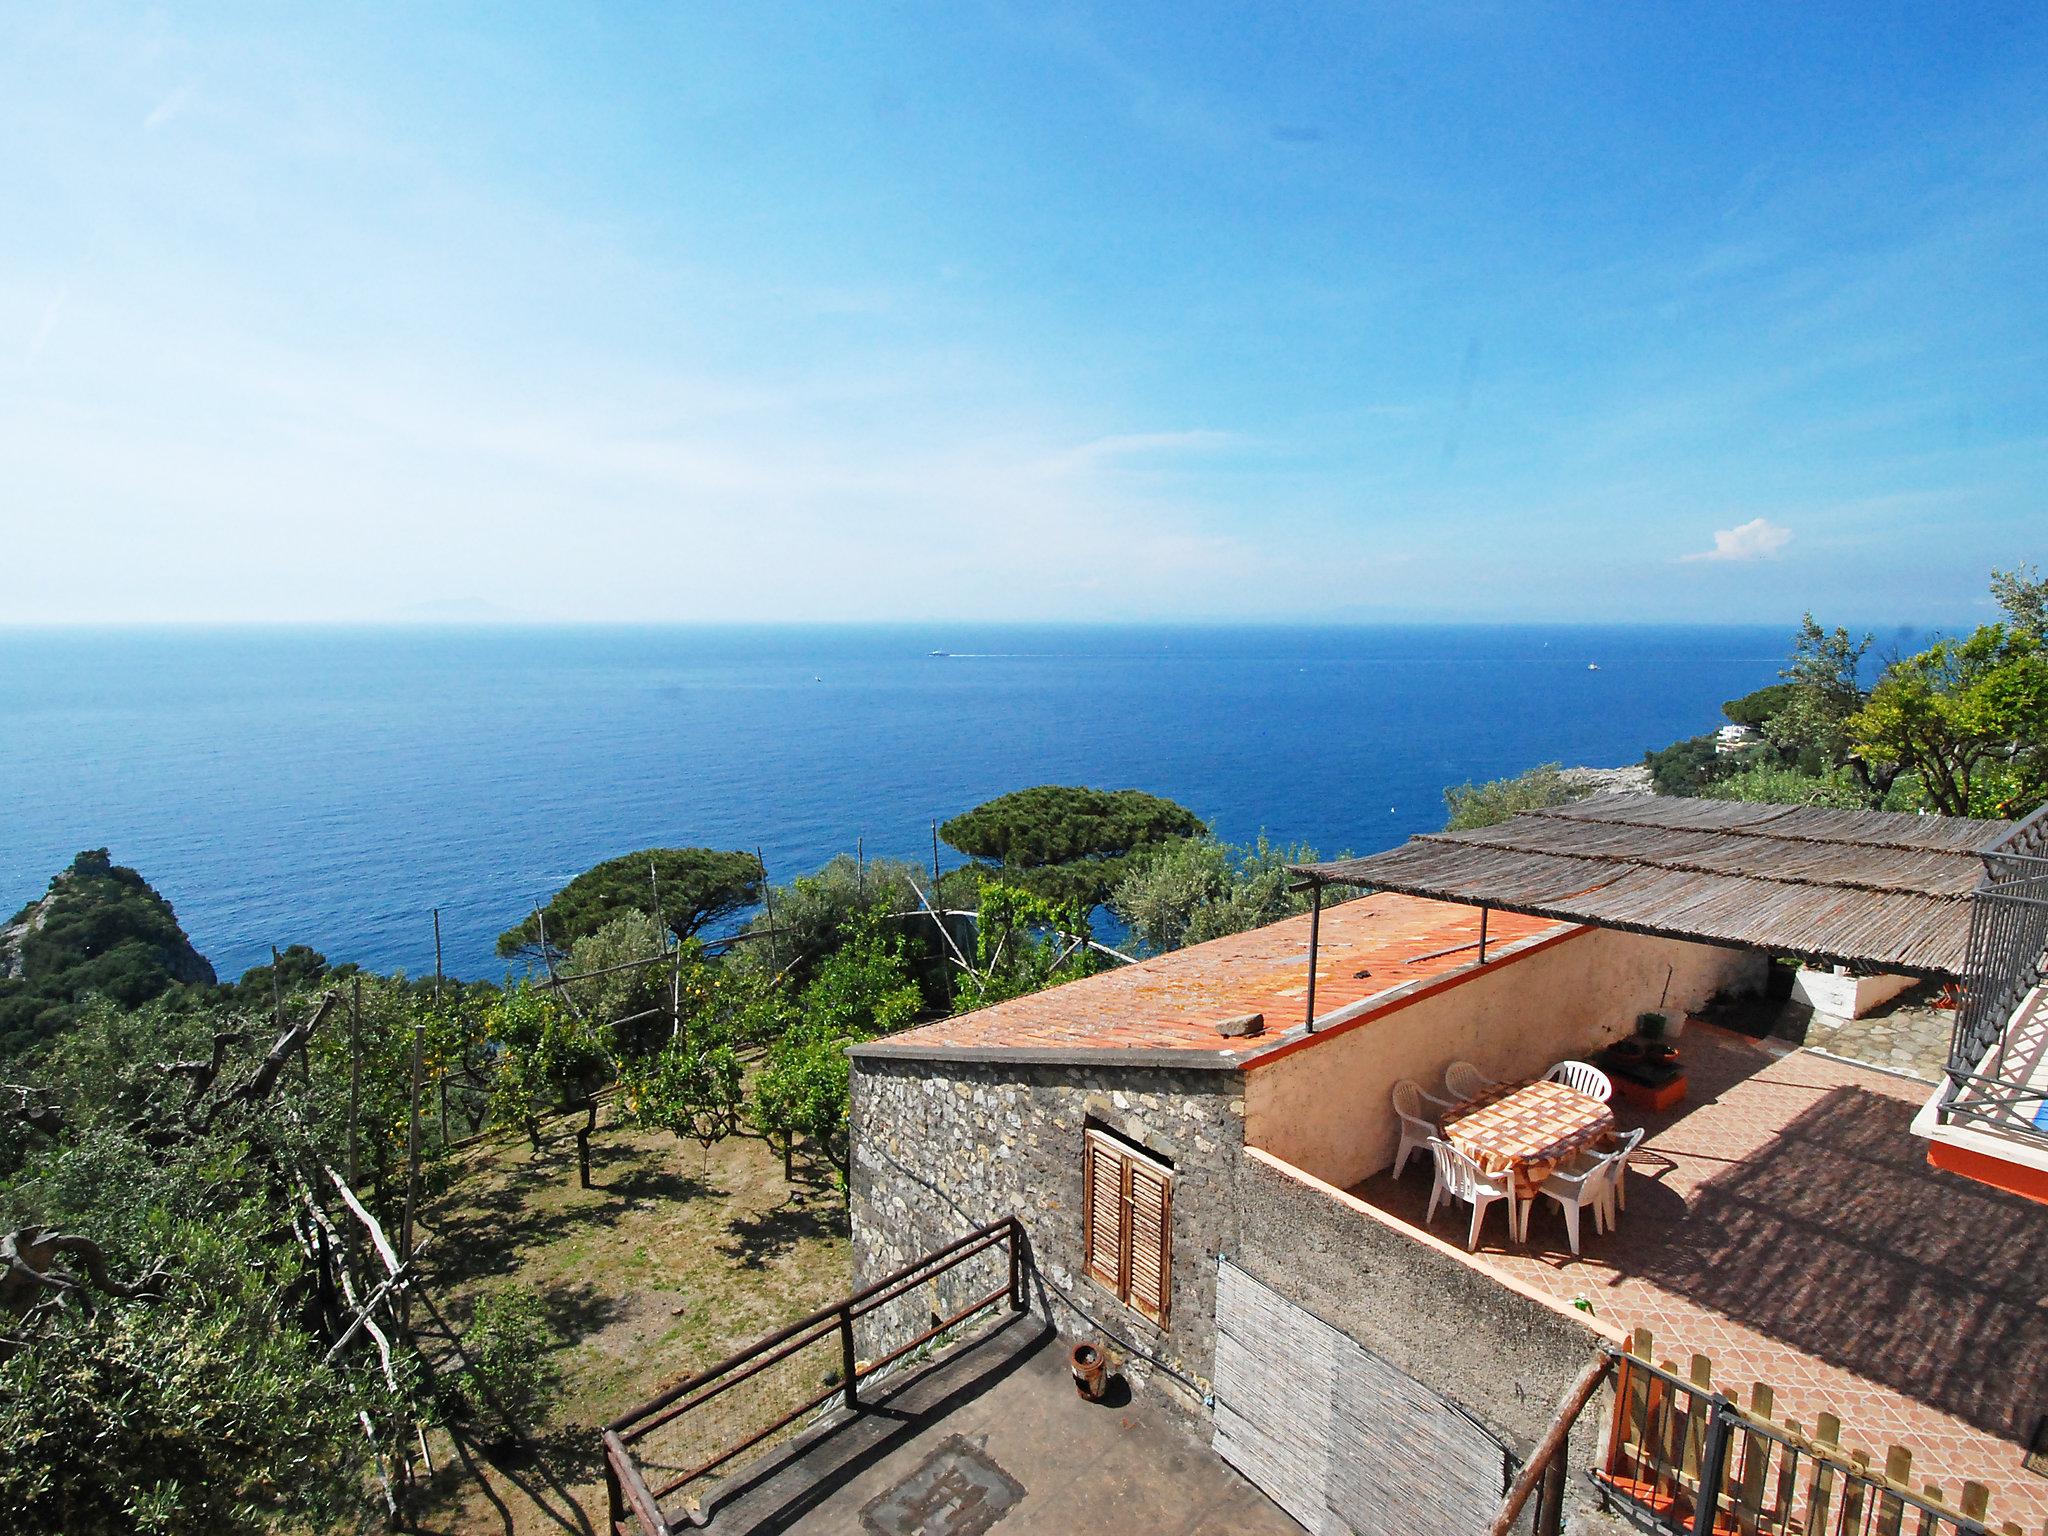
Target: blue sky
[[1033, 312]]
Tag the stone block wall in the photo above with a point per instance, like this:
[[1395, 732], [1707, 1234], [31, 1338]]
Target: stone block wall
[[941, 1147], [1499, 1352]]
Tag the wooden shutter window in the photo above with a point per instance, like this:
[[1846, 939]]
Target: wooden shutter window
[[1150, 1274], [1102, 1173], [1127, 1202]]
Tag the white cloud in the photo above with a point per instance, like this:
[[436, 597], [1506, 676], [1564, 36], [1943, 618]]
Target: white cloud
[[1122, 446], [167, 109], [1757, 539], [47, 326]]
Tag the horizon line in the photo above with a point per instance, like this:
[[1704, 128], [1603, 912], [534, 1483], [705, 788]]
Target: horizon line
[[87, 626]]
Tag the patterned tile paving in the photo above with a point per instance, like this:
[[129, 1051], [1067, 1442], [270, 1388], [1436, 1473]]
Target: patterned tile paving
[[1784, 1223]]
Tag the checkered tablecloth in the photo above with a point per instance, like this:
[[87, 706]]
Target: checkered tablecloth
[[1529, 1128]]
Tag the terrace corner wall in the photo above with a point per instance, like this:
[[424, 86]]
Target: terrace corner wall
[[1502, 1355], [942, 1146], [1325, 1108]]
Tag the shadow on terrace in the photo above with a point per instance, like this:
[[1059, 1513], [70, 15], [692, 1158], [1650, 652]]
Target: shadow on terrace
[[993, 1431], [961, 1420], [1784, 1223]]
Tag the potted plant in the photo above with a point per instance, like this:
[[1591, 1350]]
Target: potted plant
[[1650, 1029]]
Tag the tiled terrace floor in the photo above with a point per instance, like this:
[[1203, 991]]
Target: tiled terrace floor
[[1784, 1223]]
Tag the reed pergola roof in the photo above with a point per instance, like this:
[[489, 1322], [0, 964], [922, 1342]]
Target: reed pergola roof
[[1877, 890]]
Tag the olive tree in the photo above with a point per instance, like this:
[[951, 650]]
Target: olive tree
[[687, 889], [1065, 842]]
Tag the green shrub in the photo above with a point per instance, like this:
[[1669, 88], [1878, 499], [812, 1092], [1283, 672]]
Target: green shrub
[[1484, 805], [1194, 889], [174, 1417], [1779, 784], [509, 1373]]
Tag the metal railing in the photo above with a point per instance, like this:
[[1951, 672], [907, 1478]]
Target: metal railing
[[1684, 1457], [635, 1503], [2008, 938]]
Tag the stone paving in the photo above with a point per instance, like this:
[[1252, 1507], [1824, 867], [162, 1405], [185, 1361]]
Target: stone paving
[[993, 1434], [1784, 1223], [1908, 1034]]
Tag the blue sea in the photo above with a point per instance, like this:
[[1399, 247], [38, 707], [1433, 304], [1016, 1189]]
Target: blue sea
[[334, 786]]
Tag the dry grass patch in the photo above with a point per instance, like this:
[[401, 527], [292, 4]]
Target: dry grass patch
[[676, 1258]]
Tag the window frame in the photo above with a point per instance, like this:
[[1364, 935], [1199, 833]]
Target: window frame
[[1104, 1151]]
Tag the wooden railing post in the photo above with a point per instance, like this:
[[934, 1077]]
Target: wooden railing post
[[614, 1497], [583, 1144], [1550, 1498], [846, 1360], [1549, 1450]]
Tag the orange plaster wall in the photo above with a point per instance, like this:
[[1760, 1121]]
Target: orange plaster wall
[[2013, 1178]]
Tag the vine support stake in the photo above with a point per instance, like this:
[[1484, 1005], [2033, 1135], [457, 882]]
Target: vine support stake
[[412, 1169], [355, 1089]]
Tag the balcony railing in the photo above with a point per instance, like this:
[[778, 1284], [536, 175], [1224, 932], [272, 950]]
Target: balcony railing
[[1988, 1083], [644, 1477]]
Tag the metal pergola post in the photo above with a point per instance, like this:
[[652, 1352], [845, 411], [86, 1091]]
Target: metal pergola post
[[1315, 934]]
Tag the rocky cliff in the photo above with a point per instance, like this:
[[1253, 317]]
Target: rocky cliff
[[100, 928]]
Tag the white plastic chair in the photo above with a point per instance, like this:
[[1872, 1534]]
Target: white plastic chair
[[1418, 1124], [1583, 1077], [1615, 1195], [1612, 1168], [1463, 1081], [1585, 1187], [1458, 1177]]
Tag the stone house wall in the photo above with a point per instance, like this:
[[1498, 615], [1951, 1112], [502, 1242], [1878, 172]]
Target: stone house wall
[[941, 1147]]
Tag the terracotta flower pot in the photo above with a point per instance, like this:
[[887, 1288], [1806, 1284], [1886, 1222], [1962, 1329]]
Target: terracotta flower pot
[[1089, 1375]]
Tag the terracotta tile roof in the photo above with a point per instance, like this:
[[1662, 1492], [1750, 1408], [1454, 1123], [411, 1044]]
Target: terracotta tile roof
[[1370, 948]]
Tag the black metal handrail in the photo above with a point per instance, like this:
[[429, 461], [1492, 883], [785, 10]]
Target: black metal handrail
[[2008, 947], [628, 1487]]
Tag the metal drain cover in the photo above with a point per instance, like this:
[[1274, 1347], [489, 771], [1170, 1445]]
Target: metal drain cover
[[955, 1491]]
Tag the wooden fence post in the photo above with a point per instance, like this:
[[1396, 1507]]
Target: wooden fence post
[[1891, 1509], [1698, 1410], [1976, 1499], [1820, 1493], [847, 1363]]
